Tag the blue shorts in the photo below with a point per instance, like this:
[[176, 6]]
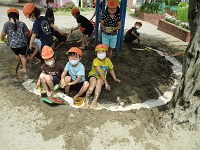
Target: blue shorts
[[109, 40]]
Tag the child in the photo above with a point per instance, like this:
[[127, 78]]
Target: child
[[83, 23], [35, 52], [73, 76], [17, 33], [51, 70], [132, 33], [97, 76], [50, 15], [41, 26], [110, 23]]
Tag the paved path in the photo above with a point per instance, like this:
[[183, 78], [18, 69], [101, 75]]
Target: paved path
[[66, 22]]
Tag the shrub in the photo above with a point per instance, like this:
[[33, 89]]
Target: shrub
[[182, 12], [66, 6], [154, 7]]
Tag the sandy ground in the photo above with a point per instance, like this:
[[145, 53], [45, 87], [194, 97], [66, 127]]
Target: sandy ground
[[28, 123]]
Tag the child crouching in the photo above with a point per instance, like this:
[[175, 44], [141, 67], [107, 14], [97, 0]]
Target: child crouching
[[51, 70]]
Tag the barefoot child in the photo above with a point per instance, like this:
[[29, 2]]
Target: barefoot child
[[132, 34], [17, 33], [97, 76], [41, 26], [83, 23], [51, 70], [73, 76], [110, 23]]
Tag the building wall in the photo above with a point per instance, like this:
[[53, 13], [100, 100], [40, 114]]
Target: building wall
[[9, 1]]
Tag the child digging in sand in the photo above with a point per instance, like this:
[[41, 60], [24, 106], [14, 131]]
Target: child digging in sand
[[97, 76]]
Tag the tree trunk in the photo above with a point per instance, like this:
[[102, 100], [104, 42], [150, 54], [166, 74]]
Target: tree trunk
[[186, 99]]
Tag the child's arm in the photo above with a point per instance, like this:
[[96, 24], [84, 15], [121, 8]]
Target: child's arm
[[32, 40], [62, 81], [78, 26], [3, 35], [112, 72], [103, 77], [34, 52], [119, 24], [78, 79], [56, 28]]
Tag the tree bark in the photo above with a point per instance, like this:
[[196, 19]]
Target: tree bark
[[185, 102]]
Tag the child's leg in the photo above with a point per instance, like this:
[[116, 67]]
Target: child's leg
[[19, 60], [109, 53], [98, 88], [83, 89], [24, 61], [82, 40], [43, 81], [67, 80], [49, 81], [92, 84]]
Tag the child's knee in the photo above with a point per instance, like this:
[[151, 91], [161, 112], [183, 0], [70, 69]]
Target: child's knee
[[68, 79], [48, 78], [86, 84]]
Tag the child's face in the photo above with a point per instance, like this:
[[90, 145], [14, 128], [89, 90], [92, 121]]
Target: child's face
[[137, 25], [50, 62], [50, 4], [112, 10], [101, 54], [74, 58]]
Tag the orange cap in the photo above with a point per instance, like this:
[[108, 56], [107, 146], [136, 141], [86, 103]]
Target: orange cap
[[28, 9], [101, 47], [112, 3], [75, 50], [47, 52], [12, 10], [139, 21], [74, 10]]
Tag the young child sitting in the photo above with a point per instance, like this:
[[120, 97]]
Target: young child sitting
[[97, 76], [132, 33], [51, 70], [73, 76], [83, 23], [35, 52]]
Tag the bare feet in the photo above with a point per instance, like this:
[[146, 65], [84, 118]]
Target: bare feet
[[93, 104], [82, 47], [22, 70], [86, 103]]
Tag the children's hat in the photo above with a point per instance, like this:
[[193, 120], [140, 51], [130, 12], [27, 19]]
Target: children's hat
[[139, 21], [101, 47], [112, 3], [12, 10], [75, 50], [28, 9], [47, 52], [74, 10]]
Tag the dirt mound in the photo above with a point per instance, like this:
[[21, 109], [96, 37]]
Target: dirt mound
[[144, 73]]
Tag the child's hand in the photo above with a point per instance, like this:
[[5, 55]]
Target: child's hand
[[37, 85], [107, 86], [62, 83], [117, 80]]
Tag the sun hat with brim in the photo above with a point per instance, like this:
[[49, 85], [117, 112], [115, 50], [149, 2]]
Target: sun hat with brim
[[14, 10], [75, 50], [101, 47], [112, 3], [28, 9], [47, 52]]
